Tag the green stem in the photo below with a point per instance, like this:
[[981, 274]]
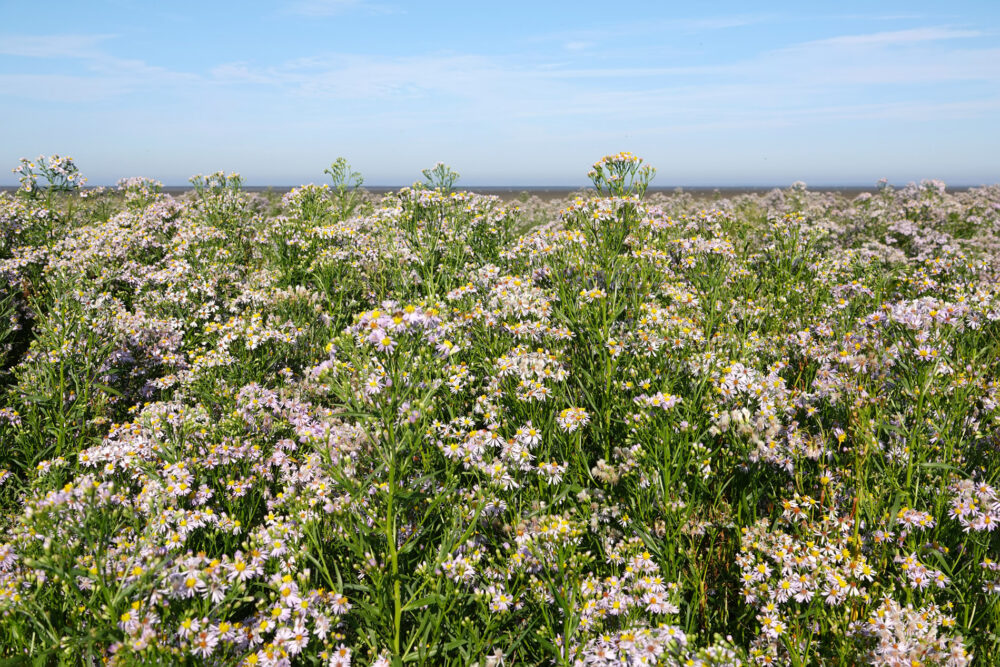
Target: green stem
[[390, 536]]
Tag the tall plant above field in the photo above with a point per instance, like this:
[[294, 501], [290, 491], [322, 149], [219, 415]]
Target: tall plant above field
[[621, 175], [440, 177], [346, 185], [60, 173]]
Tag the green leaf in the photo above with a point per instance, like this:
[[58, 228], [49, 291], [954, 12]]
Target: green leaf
[[433, 598]]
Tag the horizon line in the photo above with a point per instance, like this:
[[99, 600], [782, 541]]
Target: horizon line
[[567, 188]]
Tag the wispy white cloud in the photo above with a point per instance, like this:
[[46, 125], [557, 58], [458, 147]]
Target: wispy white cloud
[[242, 72], [360, 77], [784, 85], [791, 84], [714, 22], [52, 46], [319, 8], [628, 32], [893, 37], [61, 88], [621, 73], [918, 56], [94, 75]]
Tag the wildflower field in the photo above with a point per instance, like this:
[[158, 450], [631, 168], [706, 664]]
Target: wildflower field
[[435, 428]]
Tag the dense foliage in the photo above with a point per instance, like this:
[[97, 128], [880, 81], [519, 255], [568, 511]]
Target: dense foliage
[[649, 430]]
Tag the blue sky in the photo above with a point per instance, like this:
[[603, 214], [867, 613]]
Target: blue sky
[[507, 93]]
